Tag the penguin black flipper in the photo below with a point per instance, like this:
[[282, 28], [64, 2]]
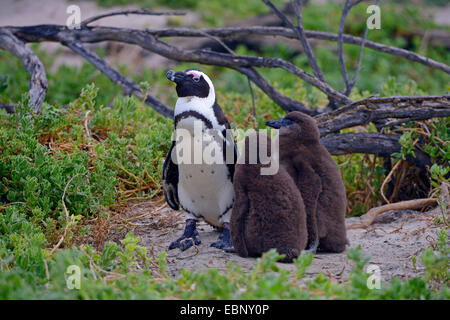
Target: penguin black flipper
[[229, 139], [170, 180]]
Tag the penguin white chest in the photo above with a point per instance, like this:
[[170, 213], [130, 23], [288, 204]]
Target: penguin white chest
[[204, 188]]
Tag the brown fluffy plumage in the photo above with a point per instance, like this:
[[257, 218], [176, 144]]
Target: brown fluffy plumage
[[317, 176], [268, 210]]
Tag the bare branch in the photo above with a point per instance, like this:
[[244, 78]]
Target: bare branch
[[301, 35], [253, 75], [129, 86], [38, 78], [286, 103], [285, 32], [147, 41], [127, 12], [350, 83]]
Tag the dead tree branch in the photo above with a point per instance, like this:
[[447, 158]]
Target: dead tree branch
[[147, 41], [381, 145], [38, 78], [231, 32]]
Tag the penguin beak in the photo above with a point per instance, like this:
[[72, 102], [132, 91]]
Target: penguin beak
[[175, 76], [277, 124]]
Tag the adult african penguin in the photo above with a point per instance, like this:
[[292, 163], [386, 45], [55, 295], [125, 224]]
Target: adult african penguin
[[202, 187], [317, 176]]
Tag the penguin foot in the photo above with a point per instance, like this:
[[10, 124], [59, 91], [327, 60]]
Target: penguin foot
[[224, 241], [312, 247], [189, 237]]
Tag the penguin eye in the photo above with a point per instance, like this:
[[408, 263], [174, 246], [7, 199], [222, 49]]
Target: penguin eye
[[196, 79]]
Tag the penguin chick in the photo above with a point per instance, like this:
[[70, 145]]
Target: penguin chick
[[317, 176], [268, 210]]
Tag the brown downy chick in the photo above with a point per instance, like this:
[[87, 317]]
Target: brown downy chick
[[268, 210], [317, 176]]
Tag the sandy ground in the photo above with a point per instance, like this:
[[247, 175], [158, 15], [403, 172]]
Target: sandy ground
[[391, 242]]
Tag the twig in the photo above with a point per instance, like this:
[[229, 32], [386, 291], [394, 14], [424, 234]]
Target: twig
[[361, 52], [127, 12], [388, 178], [146, 214], [253, 97], [298, 6], [10, 204], [38, 79], [67, 214], [350, 83], [369, 217], [299, 31]]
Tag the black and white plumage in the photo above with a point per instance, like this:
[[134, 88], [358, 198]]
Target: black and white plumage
[[204, 190]]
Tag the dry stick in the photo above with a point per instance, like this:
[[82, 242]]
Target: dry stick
[[388, 178], [10, 204], [286, 103], [361, 52], [67, 214], [349, 83], [127, 12], [253, 97], [369, 217], [146, 214], [38, 79]]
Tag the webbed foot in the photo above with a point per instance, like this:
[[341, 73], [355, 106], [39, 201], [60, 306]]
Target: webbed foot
[[224, 241], [312, 247], [189, 237]]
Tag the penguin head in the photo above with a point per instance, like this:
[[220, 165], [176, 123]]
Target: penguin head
[[297, 125], [192, 83]]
